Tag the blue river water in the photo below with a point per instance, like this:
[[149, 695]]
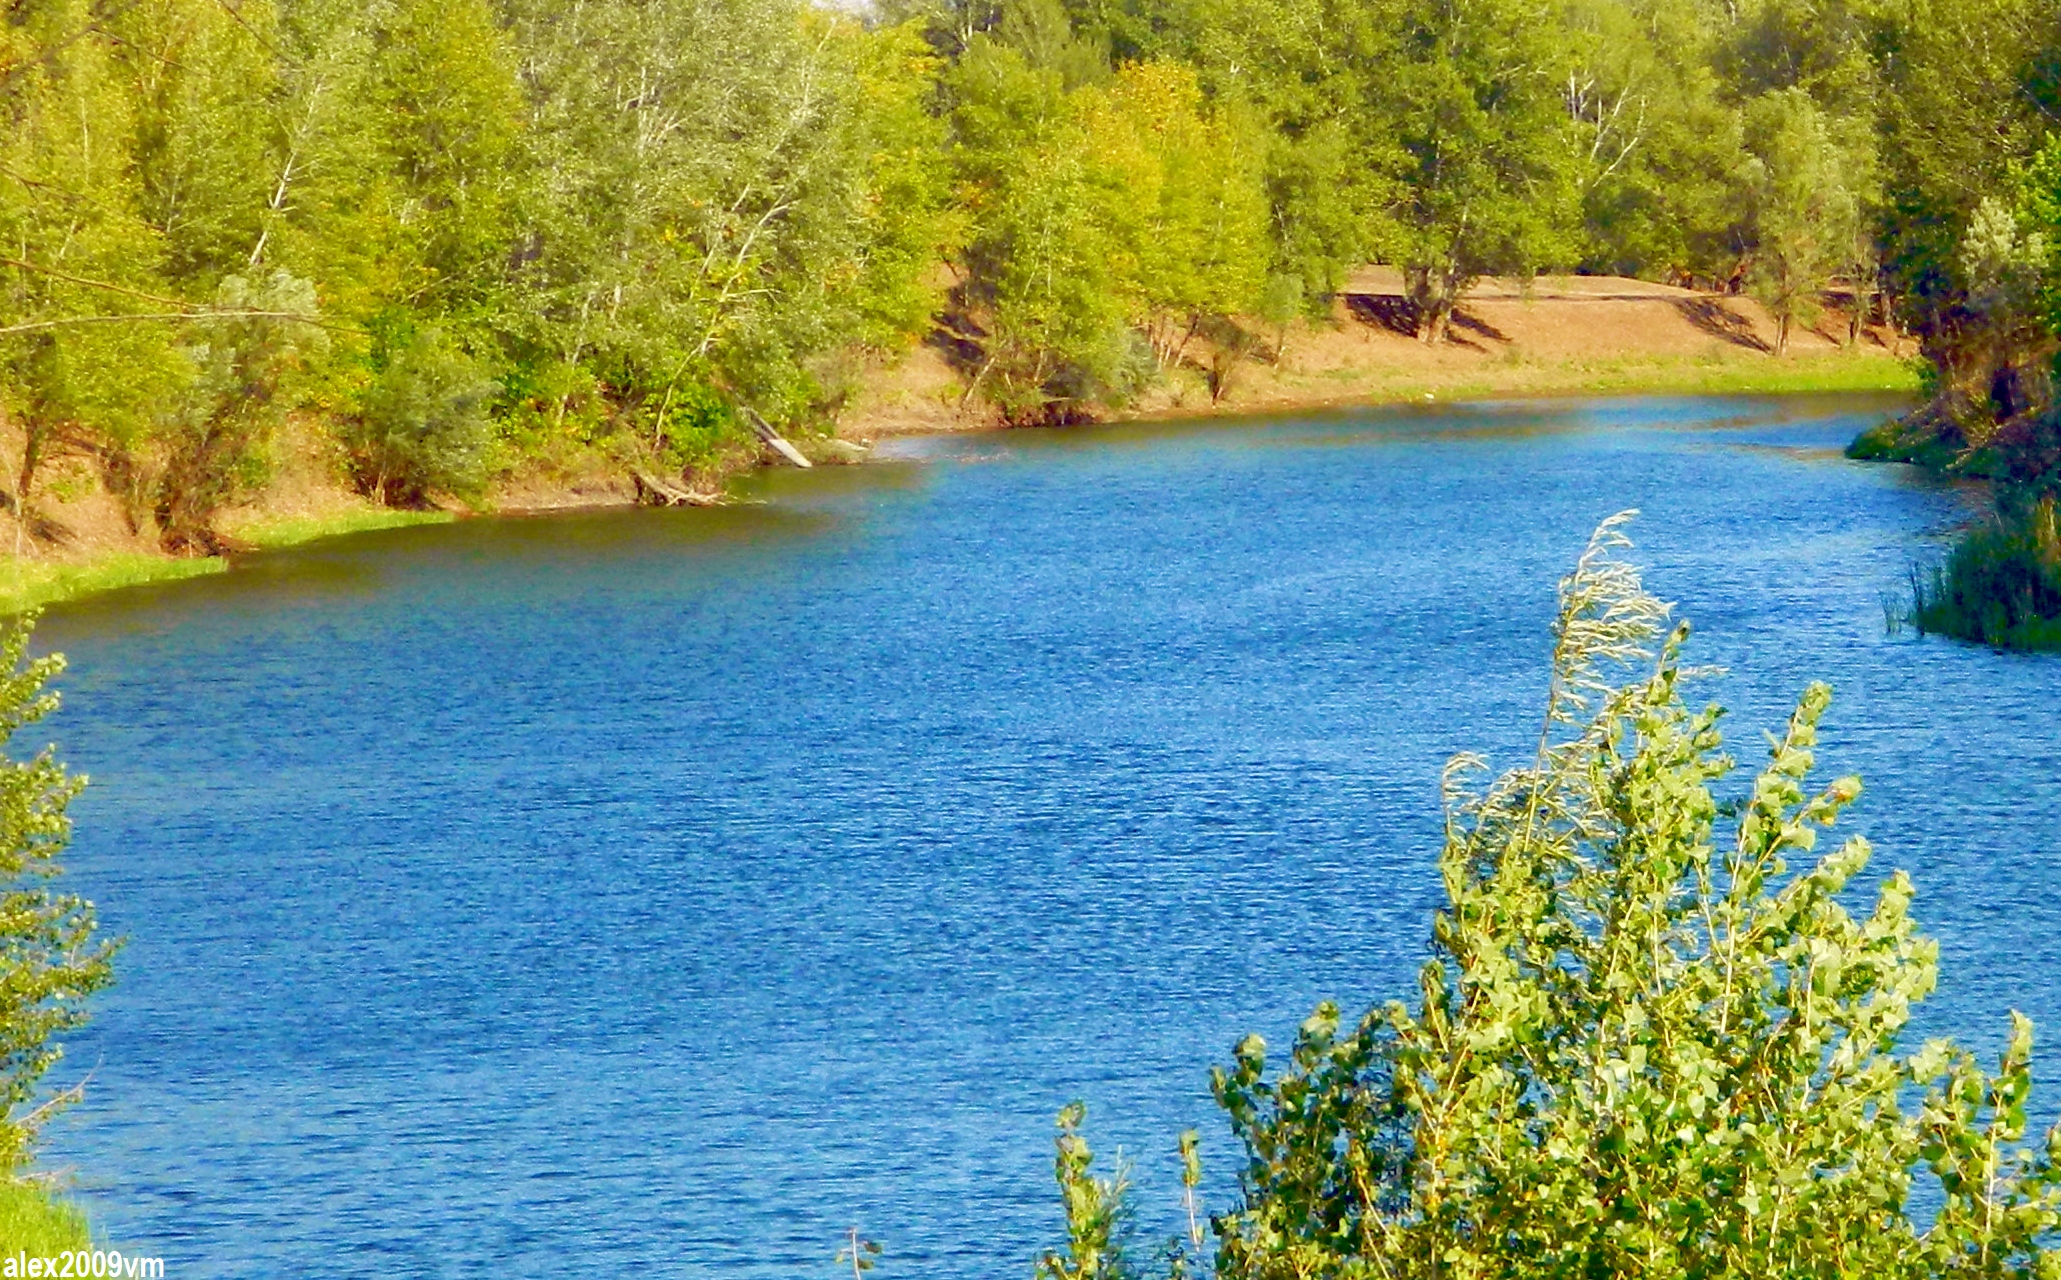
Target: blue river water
[[676, 890]]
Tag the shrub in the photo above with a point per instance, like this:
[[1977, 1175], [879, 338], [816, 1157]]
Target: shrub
[[1639, 1049], [220, 432], [422, 426], [49, 959]]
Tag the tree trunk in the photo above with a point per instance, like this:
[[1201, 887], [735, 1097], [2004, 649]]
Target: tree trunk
[[1434, 323], [1431, 298], [31, 454]]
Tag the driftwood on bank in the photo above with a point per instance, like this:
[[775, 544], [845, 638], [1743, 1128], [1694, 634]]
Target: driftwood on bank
[[772, 437], [654, 492]]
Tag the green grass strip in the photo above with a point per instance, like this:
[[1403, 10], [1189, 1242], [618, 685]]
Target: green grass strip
[[35, 1222], [271, 535], [29, 584]]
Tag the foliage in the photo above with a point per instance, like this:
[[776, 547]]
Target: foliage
[[219, 434], [862, 1254], [640, 218], [1658, 147], [1112, 224], [422, 427], [1487, 183], [49, 959], [1640, 1049], [1968, 89], [1652, 1037], [1100, 1217], [79, 249], [1808, 215]]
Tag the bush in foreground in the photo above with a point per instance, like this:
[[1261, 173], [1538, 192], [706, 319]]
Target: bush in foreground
[[1643, 1046], [50, 959]]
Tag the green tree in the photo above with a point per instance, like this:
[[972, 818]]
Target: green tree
[[1809, 188], [1052, 245], [422, 428], [1193, 201], [908, 222], [1642, 1045], [700, 225], [219, 435], [1969, 89], [1315, 76], [50, 960], [202, 78], [1488, 180], [1658, 148], [84, 335]]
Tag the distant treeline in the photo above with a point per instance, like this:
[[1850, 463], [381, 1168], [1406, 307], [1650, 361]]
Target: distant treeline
[[466, 235]]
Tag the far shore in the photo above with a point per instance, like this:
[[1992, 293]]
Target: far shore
[[1561, 337]]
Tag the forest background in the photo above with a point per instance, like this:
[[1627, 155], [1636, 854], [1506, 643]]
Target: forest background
[[464, 238]]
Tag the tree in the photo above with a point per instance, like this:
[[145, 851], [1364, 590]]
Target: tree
[[422, 427], [1969, 89], [78, 257], [1487, 183], [1657, 146], [909, 223], [1196, 209], [1638, 1048], [699, 226], [219, 434], [1314, 76], [1809, 189], [202, 78], [1054, 237], [50, 960]]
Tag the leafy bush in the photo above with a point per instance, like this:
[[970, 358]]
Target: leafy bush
[[422, 426], [1638, 1048], [219, 433], [49, 960]]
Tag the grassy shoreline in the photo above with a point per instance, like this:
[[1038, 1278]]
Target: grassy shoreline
[[34, 584]]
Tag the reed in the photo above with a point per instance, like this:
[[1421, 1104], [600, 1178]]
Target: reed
[[2000, 586]]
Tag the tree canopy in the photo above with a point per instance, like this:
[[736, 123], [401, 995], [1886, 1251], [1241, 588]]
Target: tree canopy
[[465, 237]]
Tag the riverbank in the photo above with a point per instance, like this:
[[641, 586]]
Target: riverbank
[[30, 583], [1560, 336]]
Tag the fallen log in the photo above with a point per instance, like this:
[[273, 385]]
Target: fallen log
[[772, 437], [654, 492]]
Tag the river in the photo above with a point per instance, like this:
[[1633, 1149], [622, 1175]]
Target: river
[[676, 890]]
